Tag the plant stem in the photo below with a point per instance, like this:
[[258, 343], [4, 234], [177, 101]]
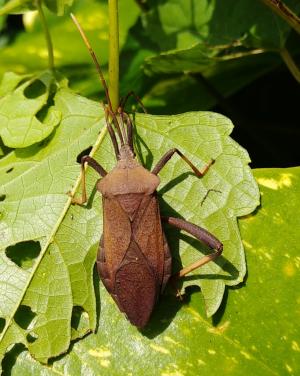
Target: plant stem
[[47, 35], [113, 62], [284, 12], [287, 58]]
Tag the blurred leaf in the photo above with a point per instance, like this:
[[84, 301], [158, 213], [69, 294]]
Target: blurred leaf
[[58, 6], [23, 6], [27, 113], [203, 33], [204, 90], [257, 333], [2, 19], [16, 6], [178, 24], [35, 206], [29, 52]]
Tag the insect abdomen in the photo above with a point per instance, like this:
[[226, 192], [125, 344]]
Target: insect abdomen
[[135, 287], [131, 259]]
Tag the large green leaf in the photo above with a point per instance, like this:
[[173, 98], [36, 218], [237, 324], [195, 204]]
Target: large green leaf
[[180, 24], [200, 33], [35, 207], [34, 186], [256, 331]]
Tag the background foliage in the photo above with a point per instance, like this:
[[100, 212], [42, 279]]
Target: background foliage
[[178, 56]]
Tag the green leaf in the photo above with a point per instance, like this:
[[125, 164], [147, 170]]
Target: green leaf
[[16, 6], [28, 53], [227, 78], [27, 114], [180, 24], [58, 289], [2, 19], [34, 186], [206, 33], [58, 6], [256, 331], [22, 6], [202, 136]]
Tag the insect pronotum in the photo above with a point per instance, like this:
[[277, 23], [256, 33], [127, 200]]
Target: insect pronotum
[[134, 261]]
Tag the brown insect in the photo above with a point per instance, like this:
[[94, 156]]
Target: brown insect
[[134, 260]]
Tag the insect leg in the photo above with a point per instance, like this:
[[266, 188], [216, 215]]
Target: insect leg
[[96, 166], [136, 97], [169, 154], [200, 234]]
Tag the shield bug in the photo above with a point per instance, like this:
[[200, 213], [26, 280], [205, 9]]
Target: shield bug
[[134, 261]]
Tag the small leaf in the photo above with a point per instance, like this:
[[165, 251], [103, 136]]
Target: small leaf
[[27, 114], [17, 6], [58, 6]]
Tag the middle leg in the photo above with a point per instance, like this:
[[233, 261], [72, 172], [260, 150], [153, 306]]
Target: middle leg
[[169, 154]]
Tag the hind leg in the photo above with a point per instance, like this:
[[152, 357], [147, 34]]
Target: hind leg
[[200, 234]]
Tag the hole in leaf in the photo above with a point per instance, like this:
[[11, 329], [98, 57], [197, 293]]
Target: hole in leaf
[[189, 290], [2, 324], [83, 153], [24, 316], [35, 89], [79, 318], [42, 113], [9, 170], [31, 337], [10, 358], [2, 197], [24, 253]]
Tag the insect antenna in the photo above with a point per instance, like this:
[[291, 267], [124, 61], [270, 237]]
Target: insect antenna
[[111, 133], [103, 82], [121, 116], [129, 132]]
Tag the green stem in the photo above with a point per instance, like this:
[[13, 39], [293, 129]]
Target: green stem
[[290, 63], [113, 53], [47, 35]]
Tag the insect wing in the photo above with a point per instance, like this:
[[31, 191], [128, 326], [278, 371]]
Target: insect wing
[[149, 235]]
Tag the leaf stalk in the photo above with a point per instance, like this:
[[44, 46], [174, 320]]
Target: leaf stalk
[[47, 35], [290, 63], [113, 63], [278, 7]]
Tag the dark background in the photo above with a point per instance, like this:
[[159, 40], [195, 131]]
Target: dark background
[[265, 113]]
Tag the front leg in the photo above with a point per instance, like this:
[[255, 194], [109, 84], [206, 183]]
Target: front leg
[[96, 166], [200, 234], [169, 154]]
